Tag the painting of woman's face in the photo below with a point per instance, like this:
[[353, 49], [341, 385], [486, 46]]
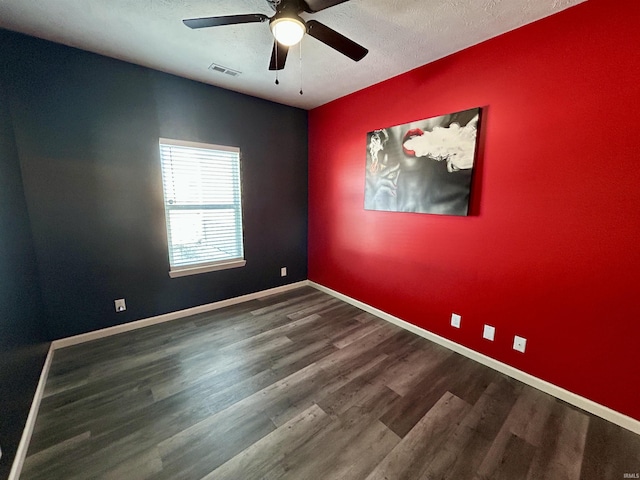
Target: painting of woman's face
[[424, 166]]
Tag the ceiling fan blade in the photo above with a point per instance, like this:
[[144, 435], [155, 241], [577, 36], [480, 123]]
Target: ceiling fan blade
[[225, 20], [336, 40], [312, 6], [282, 50]]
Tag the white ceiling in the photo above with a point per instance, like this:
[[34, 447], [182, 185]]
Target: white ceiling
[[400, 35]]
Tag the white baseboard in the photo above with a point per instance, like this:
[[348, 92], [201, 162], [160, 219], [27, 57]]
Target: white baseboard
[[535, 382], [558, 392], [23, 446], [167, 317]]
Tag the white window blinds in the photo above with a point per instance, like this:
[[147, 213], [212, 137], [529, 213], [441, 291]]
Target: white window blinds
[[203, 208]]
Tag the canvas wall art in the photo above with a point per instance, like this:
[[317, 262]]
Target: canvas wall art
[[424, 166]]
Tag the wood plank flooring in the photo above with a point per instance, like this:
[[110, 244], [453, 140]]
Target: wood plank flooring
[[303, 386]]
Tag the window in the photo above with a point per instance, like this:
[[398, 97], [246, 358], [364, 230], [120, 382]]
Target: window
[[203, 208]]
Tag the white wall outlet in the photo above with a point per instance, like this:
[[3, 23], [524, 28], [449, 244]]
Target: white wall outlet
[[120, 305], [519, 343], [283, 272], [455, 320], [489, 332]]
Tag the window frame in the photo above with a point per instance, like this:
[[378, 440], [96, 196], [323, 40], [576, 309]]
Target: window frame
[[211, 266]]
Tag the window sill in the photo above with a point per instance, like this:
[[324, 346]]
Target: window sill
[[183, 272]]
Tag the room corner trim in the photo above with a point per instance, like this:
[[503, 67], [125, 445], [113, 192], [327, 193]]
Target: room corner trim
[[167, 317], [574, 399], [23, 446]]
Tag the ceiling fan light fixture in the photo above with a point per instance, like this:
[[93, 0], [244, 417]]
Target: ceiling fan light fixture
[[288, 30]]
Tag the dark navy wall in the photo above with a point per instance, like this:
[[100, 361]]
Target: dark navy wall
[[87, 130], [22, 330], [81, 215]]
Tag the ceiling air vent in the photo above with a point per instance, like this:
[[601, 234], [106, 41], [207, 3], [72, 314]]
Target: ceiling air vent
[[220, 69]]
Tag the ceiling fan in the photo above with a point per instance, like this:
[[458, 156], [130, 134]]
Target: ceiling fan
[[288, 28]]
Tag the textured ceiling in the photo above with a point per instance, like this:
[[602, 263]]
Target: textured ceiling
[[400, 36]]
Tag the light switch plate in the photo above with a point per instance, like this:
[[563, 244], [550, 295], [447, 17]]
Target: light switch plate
[[489, 332], [455, 320], [519, 343]]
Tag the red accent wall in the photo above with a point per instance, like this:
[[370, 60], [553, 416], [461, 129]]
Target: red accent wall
[[550, 251]]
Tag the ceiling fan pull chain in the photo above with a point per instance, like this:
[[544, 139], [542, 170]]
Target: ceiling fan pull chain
[[300, 68], [276, 47]]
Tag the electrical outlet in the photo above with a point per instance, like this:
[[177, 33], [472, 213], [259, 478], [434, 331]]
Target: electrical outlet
[[283, 272], [455, 320], [489, 332], [120, 305], [519, 343]]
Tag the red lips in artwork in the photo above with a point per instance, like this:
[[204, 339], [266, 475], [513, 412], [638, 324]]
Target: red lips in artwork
[[414, 132]]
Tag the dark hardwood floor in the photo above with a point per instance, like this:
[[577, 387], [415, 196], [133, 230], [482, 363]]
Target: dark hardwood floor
[[303, 386]]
